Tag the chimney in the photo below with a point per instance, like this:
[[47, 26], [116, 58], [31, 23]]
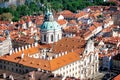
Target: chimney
[[13, 51], [19, 49], [22, 55], [29, 46], [55, 75], [50, 58], [39, 69], [62, 53], [11, 77], [56, 56], [72, 50], [26, 47], [46, 71], [59, 54], [16, 50], [10, 52], [4, 75], [36, 44], [65, 52], [42, 70], [32, 45], [32, 75], [22, 48]]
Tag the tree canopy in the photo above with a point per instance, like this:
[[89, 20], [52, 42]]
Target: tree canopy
[[34, 7], [6, 16]]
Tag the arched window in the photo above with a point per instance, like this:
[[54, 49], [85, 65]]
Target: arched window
[[45, 38], [51, 37]]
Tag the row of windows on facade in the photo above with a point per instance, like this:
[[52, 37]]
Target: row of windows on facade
[[9, 63], [75, 68], [45, 38], [14, 69], [76, 73], [50, 27]]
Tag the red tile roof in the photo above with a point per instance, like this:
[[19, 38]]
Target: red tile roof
[[80, 14], [117, 77], [2, 38], [62, 22], [68, 44]]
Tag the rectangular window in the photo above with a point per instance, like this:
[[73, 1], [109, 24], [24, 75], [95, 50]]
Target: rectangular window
[[52, 38], [45, 38]]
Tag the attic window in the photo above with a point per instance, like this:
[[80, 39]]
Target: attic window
[[23, 60], [45, 66], [66, 45], [31, 62], [60, 44]]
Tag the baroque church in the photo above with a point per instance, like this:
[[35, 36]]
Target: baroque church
[[50, 30]]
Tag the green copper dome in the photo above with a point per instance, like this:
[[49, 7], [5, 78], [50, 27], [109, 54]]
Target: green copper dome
[[50, 25]]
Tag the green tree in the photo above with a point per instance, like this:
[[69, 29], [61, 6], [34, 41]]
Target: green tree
[[6, 16], [13, 7], [98, 2], [56, 5]]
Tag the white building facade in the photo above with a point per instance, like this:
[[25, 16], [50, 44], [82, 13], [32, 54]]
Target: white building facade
[[84, 68], [5, 45]]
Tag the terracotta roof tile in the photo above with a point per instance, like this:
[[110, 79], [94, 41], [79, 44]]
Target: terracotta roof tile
[[72, 29], [117, 77], [64, 60], [80, 14], [92, 28], [62, 22], [2, 38], [68, 44]]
